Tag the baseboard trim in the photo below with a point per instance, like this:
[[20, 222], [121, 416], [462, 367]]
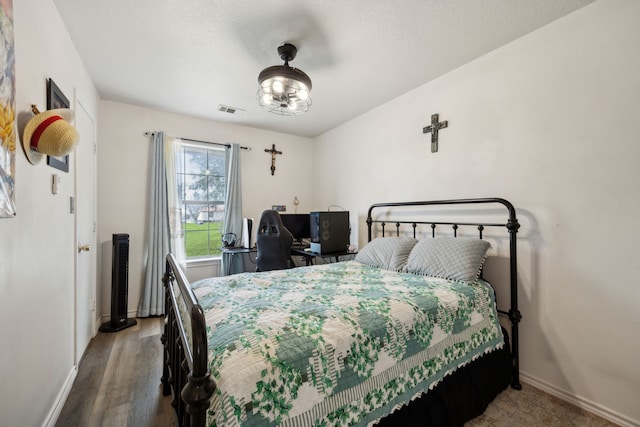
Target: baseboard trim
[[96, 326], [54, 413], [580, 402]]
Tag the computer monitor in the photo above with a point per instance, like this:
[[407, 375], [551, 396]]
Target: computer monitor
[[298, 224]]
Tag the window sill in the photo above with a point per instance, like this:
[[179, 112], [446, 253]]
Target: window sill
[[197, 262]]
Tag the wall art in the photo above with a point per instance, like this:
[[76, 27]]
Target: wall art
[[56, 99], [7, 112]]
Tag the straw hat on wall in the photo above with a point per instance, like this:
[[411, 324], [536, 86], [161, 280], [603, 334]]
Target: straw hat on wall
[[49, 133]]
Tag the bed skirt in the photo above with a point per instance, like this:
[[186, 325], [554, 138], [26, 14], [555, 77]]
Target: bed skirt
[[461, 396]]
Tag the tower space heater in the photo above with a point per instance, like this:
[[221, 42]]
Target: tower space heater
[[119, 285]]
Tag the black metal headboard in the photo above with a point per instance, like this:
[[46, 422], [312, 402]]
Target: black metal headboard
[[511, 225]]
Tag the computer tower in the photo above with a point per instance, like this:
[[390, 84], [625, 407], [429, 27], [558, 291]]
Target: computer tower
[[329, 231]]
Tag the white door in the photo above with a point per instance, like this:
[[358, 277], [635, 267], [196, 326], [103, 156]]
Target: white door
[[86, 241]]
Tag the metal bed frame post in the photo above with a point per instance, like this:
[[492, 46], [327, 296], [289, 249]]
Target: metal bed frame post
[[166, 334], [186, 373], [512, 227], [514, 313]]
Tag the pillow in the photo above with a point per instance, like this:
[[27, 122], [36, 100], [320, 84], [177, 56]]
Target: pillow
[[389, 253], [448, 257]]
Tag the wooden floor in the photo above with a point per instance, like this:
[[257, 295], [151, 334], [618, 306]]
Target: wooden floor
[[118, 382], [118, 385]]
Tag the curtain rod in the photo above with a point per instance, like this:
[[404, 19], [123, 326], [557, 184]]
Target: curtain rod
[[203, 142]]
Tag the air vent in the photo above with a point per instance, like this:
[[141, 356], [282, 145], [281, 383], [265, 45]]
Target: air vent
[[227, 109]]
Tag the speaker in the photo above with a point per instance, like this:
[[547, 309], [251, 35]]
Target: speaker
[[247, 229], [329, 231], [119, 285]]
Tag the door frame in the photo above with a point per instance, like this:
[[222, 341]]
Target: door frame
[[93, 253]]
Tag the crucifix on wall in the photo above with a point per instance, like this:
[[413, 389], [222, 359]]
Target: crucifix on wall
[[433, 129], [273, 153]]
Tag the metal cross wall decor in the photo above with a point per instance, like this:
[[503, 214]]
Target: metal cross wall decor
[[434, 128], [273, 153]]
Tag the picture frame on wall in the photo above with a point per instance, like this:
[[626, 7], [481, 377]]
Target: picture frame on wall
[[57, 99]]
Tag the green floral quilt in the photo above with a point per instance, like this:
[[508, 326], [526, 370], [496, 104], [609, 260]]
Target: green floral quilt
[[336, 344]]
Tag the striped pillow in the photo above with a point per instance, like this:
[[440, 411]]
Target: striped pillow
[[389, 253], [448, 257]]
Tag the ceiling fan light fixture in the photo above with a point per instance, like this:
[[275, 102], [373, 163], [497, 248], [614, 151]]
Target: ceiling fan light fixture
[[284, 90]]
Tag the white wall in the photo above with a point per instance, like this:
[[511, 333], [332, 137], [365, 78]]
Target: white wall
[[123, 176], [37, 246], [548, 122]]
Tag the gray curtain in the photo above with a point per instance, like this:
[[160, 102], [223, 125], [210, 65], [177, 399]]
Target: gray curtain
[[172, 146], [233, 208], [158, 246]]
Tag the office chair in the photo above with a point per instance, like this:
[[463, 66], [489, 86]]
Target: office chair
[[274, 243]]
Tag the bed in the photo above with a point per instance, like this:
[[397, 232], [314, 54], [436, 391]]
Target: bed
[[407, 333]]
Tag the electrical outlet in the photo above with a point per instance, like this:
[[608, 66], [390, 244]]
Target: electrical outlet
[[93, 305]]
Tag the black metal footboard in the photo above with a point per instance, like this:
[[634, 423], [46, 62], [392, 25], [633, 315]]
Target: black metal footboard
[[185, 374], [511, 226]]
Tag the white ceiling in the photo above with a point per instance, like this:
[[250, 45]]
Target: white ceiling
[[189, 56]]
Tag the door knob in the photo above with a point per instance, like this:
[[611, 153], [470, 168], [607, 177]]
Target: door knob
[[86, 248]]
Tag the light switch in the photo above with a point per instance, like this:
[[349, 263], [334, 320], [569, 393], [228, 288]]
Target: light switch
[[55, 182]]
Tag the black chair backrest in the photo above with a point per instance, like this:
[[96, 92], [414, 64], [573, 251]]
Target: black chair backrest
[[274, 243]]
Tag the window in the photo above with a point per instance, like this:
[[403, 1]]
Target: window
[[201, 183]]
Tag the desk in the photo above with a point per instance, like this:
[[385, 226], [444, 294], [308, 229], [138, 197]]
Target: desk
[[238, 250], [310, 256], [238, 260]]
